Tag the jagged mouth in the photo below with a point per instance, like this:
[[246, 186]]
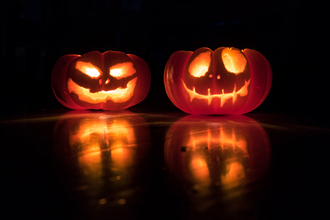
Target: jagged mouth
[[118, 95], [243, 91]]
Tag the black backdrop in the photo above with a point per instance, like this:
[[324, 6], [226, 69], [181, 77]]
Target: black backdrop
[[292, 35]]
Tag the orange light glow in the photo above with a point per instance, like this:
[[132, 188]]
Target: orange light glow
[[118, 129], [217, 157], [104, 147], [118, 95], [122, 70], [102, 151], [217, 137], [218, 161], [122, 142], [93, 137], [234, 60], [199, 169], [223, 96], [221, 139], [200, 65], [88, 69], [234, 175]]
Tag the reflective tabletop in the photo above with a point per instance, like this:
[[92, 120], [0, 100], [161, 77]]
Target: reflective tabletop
[[135, 165]]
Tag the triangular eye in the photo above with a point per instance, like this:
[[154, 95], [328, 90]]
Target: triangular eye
[[200, 65], [88, 69], [122, 70], [234, 60]]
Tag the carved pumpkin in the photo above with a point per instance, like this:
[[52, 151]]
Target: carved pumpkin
[[224, 81], [111, 80], [227, 152], [101, 155]]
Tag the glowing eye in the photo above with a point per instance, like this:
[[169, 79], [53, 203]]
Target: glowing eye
[[116, 72], [122, 70], [88, 69], [200, 65], [234, 60]]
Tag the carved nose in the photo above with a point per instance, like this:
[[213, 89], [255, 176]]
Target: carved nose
[[106, 82], [218, 76]]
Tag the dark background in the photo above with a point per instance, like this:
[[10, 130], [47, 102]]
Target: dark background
[[292, 35]]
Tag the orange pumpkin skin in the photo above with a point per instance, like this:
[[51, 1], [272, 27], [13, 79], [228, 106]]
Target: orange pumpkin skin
[[224, 81], [111, 80]]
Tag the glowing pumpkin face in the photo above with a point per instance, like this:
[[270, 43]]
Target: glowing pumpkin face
[[227, 152], [224, 81], [110, 81]]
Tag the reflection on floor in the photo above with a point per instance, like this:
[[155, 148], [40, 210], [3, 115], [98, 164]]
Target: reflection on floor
[[125, 165]]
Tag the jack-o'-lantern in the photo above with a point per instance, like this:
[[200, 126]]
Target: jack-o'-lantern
[[224, 154], [111, 80], [224, 81], [102, 155]]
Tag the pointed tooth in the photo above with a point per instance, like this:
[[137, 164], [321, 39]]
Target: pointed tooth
[[192, 94], [223, 98], [222, 102], [209, 98], [234, 97]]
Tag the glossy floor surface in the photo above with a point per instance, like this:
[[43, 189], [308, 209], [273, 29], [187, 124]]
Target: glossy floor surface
[[131, 165]]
